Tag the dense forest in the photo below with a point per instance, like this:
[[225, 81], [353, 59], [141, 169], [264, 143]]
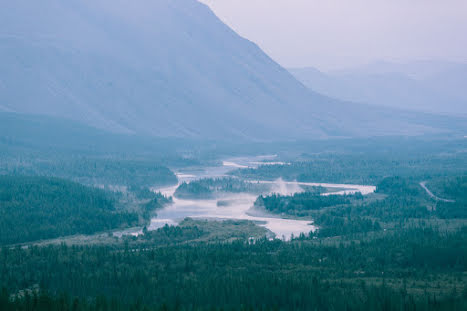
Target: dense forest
[[92, 171], [417, 262], [360, 167], [191, 190], [453, 193], [397, 201], [299, 203], [190, 230], [34, 208], [156, 201], [451, 187], [207, 188], [390, 272], [396, 249]]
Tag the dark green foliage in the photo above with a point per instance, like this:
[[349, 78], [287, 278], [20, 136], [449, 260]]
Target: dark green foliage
[[268, 275], [417, 262], [393, 208], [362, 298], [210, 187], [397, 200], [368, 164], [340, 226], [405, 199], [193, 190], [454, 190], [449, 210], [141, 192], [156, 202], [300, 203], [333, 214], [167, 235], [397, 186], [190, 230], [102, 171], [373, 298], [34, 208]]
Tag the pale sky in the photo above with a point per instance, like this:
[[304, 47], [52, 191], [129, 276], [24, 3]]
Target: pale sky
[[331, 34]]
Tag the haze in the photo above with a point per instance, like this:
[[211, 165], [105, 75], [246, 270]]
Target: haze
[[154, 158], [332, 34]]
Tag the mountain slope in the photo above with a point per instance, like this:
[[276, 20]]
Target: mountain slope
[[423, 86], [163, 68]]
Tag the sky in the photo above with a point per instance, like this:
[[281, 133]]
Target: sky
[[335, 34]]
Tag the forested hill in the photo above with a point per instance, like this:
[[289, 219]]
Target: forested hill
[[34, 208], [388, 273]]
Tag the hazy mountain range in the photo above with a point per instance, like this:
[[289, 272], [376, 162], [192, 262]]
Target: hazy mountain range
[[169, 68], [430, 86]]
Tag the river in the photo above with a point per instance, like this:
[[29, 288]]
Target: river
[[240, 204]]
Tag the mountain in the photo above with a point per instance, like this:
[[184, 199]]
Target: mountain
[[429, 86], [26, 133], [167, 68]]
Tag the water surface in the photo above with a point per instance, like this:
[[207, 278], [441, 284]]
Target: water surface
[[240, 205]]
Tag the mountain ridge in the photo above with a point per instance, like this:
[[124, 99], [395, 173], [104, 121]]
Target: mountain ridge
[[163, 68], [427, 86]]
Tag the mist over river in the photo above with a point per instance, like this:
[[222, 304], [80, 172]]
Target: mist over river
[[240, 205]]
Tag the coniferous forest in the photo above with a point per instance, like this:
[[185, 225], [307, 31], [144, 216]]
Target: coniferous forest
[[35, 208], [71, 246], [154, 159]]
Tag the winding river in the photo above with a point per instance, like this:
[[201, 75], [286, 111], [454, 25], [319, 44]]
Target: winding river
[[240, 205]]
